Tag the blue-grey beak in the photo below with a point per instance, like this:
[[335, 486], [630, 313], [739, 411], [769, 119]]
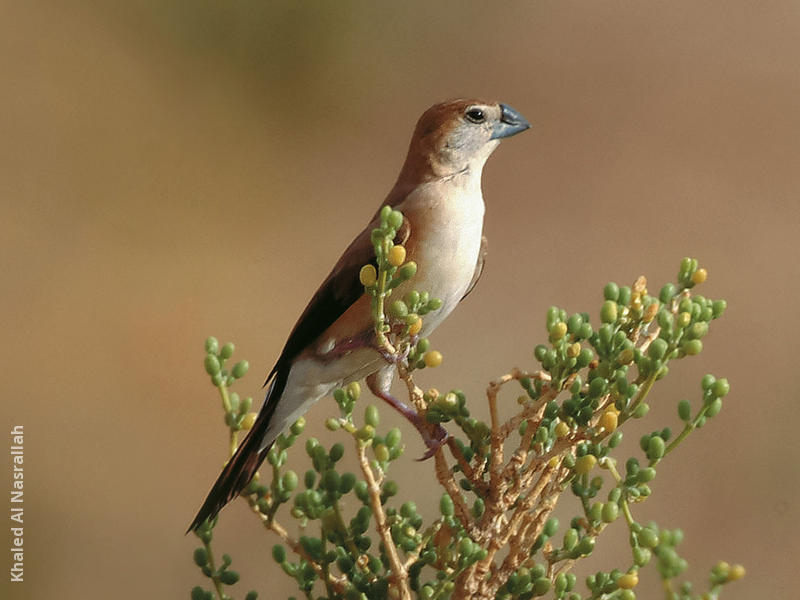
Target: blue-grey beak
[[511, 123]]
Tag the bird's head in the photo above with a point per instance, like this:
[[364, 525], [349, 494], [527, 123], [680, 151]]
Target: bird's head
[[458, 136]]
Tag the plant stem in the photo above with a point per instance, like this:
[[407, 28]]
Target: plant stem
[[399, 573], [214, 575]]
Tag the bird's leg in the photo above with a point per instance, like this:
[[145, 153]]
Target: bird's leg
[[332, 349], [434, 436]]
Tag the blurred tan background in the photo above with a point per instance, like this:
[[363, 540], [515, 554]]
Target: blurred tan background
[[171, 170]]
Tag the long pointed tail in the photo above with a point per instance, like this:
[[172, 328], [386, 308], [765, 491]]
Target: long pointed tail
[[234, 477], [245, 461]]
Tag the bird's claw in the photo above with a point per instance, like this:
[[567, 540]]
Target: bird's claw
[[433, 441]]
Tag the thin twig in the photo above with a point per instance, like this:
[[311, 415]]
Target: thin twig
[[399, 573]]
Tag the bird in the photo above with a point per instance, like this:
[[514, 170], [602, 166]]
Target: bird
[[333, 343]]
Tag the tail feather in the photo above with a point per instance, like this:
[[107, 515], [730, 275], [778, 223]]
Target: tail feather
[[234, 477], [244, 463]]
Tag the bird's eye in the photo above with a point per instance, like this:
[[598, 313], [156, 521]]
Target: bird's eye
[[476, 115]]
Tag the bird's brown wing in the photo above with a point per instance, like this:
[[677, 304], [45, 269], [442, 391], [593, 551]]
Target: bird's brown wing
[[340, 289], [478, 266]]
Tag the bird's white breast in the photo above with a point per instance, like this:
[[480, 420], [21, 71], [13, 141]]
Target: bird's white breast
[[447, 244]]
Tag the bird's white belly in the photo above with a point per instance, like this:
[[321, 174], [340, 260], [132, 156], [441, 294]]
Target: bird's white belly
[[446, 264]]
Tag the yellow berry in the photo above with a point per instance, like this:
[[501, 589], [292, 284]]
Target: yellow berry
[[628, 581], [585, 464], [368, 275], [699, 276], [736, 572], [431, 394], [562, 429], [722, 568], [433, 358], [558, 331], [249, 420], [574, 349], [397, 255], [553, 462], [416, 326], [650, 312], [609, 420]]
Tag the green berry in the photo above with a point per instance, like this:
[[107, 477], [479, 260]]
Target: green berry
[[330, 480], [381, 453], [393, 438], [585, 546], [390, 488], [337, 451], [446, 506], [229, 577], [655, 448], [212, 345], [298, 426], [714, 408], [611, 292], [584, 357], [211, 364], [239, 369], [720, 388], [371, 416], [697, 330], [693, 347], [667, 293], [407, 271], [200, 557], [434, 304], [608, 312], [539, 352], [658, 348], [615, 439], [289, 480], [408, 510], [398, 309], [648, 537], [550, 527], [574, 323], [541, 586], [610, 512], [395, 219], [346, 483], [641, 556], [646, 474], [367, 432], [227, 351], [707, 382], [199, 593], [684, 410]]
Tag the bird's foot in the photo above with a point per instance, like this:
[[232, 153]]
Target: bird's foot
[[433, 439], [396, 357], [434, 435]]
